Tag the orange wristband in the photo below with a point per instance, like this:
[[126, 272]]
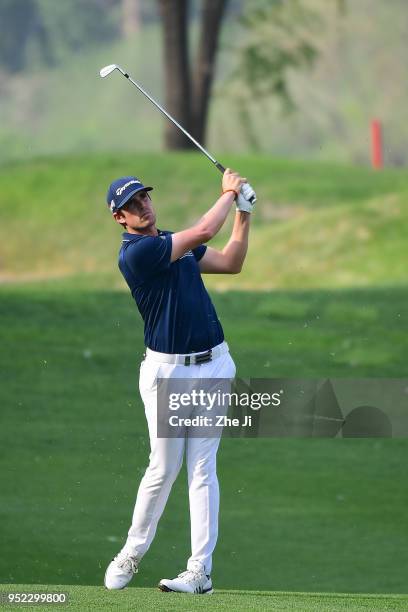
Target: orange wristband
[[233, 190]]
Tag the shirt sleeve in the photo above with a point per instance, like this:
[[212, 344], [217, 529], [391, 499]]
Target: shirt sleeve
[[199, 251], [149, 256]]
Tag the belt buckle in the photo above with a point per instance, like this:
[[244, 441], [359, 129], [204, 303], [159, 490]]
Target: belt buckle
[[203, 357]]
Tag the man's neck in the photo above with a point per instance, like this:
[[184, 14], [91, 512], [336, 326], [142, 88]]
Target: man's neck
[[148, 231]]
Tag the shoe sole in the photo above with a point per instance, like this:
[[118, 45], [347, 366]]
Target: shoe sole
[[165, 589]]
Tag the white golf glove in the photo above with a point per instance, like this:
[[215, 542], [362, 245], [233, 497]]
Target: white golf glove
[[244, 197]]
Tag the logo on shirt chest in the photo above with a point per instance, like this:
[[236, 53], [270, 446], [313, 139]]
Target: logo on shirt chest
[[188, 254]]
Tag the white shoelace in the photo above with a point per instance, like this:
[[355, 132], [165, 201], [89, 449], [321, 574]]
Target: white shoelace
[[127, 562], [191, 576]]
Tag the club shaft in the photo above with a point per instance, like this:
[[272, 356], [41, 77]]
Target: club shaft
[[176, 123]]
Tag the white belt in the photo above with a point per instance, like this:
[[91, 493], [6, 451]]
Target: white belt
[[189, 358]]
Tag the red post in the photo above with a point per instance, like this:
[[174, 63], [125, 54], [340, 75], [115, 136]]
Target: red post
[[376, 144]]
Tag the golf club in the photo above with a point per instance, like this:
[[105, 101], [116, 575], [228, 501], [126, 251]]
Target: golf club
[[107, 70]]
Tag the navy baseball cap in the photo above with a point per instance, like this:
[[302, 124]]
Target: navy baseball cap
[[121, 190]]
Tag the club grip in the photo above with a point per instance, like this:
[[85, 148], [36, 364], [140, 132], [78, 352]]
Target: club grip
[[220, 167]]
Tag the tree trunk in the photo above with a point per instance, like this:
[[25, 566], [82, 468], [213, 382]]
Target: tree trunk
[[174, 14], [212, 14]]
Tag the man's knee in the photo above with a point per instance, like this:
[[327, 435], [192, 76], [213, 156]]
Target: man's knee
[[203, 472], [161, 472]]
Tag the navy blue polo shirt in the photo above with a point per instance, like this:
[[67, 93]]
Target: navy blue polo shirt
[[178, 314]]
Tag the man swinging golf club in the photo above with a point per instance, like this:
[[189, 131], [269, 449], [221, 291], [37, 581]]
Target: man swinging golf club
[[184, 339]]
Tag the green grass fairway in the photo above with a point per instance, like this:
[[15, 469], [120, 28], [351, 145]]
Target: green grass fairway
[[326, 295], [316, 225], [97, 598], [296, 515]]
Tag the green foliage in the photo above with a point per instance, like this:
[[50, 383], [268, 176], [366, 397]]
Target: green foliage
[[281, 38], [45, 31], [78, 24], [357, 75]]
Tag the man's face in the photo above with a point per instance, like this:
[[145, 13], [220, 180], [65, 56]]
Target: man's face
[[137, 213]]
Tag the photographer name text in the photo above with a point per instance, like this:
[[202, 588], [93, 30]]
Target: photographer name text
[[206, 421]]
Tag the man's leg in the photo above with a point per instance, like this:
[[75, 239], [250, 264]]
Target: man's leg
[[204, 500], [204, 505], [201, 458], [165, 461], [166, 458], [203, 487]]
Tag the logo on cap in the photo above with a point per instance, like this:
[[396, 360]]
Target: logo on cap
[[125, 186]]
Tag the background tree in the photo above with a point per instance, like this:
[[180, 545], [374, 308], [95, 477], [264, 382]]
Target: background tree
[[19, 19], [45, 31], [188, 87]]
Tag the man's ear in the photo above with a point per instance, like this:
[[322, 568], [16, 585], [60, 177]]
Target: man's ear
[[119, 217]]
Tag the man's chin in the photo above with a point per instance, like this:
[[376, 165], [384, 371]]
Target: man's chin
[[148, 224]]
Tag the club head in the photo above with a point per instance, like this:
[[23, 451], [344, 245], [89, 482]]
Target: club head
[[107, 70]]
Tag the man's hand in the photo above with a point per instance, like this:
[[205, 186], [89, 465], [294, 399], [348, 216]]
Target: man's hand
[[243, 201], [232, 181], [248, 193]]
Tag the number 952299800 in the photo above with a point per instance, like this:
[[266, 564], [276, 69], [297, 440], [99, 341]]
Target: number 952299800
[[33, 598]]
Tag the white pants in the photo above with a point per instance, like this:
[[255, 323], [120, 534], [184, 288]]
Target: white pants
[[166, 458]]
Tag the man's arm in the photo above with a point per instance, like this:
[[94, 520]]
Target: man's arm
[[232, 256], [210, 224]]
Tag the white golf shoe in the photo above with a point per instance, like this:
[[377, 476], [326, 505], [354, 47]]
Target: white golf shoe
[[191, 581], [121, 570]]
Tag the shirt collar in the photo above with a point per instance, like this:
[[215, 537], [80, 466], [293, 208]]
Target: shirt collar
[[127, 237]]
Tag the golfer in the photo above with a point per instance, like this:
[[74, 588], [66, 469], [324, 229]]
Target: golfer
[[184, 339]]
